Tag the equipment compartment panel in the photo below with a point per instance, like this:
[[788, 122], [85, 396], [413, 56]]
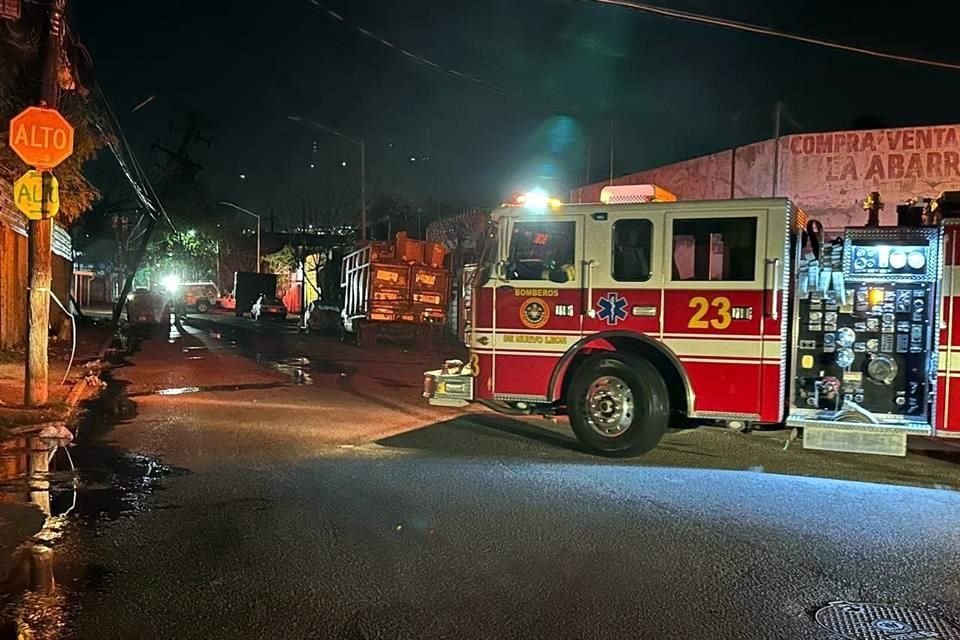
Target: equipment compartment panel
[[872, 351], [864, 347]]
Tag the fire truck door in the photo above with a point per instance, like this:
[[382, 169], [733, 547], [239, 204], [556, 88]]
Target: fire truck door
[[626, 278], [537, 303], [725, 308]]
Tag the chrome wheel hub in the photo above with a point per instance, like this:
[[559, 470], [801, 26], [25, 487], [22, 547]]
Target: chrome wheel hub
[[609, 406]]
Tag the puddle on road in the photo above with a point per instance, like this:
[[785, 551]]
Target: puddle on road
[[302, 370], [39, 596], [177, 391], [298, 369]]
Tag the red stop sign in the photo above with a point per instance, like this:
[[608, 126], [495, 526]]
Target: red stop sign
[[41, 137]]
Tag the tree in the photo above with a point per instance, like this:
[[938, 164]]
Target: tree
[[283, 263], [187, 244], [189, 254], [19, 64]]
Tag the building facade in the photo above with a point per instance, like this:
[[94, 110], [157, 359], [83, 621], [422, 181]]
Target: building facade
[[827, 174]]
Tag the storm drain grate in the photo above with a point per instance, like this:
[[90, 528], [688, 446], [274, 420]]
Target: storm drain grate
[[868, 621]]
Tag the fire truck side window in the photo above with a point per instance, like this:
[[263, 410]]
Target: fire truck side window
[[715, 249], [542, 251], [632, 241]]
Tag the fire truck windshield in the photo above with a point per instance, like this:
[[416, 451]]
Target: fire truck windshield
[[542, 250]]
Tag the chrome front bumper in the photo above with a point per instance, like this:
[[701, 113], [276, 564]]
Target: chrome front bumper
[[444, 388]]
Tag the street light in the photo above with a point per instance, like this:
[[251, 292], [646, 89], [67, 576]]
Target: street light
[[232, 205], [363, 166]]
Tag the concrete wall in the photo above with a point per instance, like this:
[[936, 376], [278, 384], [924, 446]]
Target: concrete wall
[[826, 174]]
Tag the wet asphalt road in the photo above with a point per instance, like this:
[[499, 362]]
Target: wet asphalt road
[[477, 527], [410, 548]]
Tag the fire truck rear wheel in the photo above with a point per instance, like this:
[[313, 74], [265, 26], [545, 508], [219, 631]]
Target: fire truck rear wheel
[[618, 404]]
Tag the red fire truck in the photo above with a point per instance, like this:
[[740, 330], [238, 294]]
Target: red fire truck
[[640, 312]]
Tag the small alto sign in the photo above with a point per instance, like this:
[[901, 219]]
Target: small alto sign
[[28, 195]]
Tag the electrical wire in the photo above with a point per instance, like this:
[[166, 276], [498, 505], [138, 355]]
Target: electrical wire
[[124, 168], [138, 190], [114, 124], [73, 334], [769, 31], [422, 61], [144, 188]]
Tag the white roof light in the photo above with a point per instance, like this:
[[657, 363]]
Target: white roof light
[[633, 193]]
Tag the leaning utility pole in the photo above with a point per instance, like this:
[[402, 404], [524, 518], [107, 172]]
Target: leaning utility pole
[[36, 390], [177, 161]]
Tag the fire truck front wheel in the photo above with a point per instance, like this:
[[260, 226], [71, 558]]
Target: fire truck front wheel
[[618, 404]]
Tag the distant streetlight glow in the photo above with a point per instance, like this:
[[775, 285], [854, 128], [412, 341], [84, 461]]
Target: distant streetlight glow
[[343, 164], [243, 176]]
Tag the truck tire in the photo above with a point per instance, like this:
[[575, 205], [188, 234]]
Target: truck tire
[[203, 306], [618, 404]]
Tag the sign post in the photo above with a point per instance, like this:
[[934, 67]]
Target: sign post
[[42, 138]]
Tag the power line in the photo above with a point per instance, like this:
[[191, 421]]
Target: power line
[[141, 195], [143, 188], [768, 31], [422, 61], [114, 126]]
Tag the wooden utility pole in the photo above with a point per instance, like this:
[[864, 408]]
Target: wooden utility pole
[[36, 389]]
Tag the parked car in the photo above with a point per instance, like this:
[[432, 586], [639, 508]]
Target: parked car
[[268, 306], [199, 296], [146, 307], [227, 301]]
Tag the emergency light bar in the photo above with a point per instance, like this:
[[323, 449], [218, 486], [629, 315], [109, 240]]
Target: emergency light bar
[[536, 200], [634, 193]]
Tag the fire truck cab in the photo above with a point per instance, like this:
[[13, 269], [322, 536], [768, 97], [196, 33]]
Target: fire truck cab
[[640, 312]]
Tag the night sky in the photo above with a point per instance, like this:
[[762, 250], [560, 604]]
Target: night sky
[[672, 89]]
